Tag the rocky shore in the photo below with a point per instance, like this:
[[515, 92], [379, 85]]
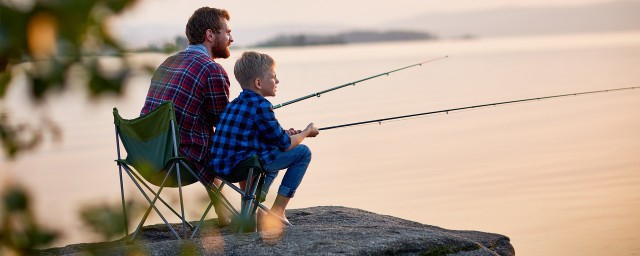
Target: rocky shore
[[324, 230]]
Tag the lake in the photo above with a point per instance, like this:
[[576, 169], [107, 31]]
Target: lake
[[559, 177]]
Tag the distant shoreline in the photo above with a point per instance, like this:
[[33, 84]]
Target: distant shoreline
[[306, 39]]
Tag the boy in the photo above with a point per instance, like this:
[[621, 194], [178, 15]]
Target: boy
[[248, 127]]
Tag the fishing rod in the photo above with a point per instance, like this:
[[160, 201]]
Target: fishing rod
[[447, 111], [317, 94]]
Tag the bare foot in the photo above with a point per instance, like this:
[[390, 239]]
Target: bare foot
[[224, 221], [271, 228], [267, 221], [224, 216]]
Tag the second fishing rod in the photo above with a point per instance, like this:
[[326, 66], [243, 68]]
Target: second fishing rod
[[317, 94], [450, 110]]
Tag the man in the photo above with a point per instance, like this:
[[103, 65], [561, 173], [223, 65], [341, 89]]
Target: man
[[198, 87]]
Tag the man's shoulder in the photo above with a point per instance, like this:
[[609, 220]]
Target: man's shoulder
[[198, 60]]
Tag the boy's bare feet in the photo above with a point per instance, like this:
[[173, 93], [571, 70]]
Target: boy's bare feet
[[267, 221], [271, 227]]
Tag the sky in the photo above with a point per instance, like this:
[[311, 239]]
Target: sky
[[151, 20]]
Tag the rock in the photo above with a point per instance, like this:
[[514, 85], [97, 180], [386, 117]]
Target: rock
[[324, 230]]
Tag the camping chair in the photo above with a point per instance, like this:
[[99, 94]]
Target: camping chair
[[152, 155]]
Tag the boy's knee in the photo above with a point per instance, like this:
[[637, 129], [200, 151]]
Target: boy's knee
[[305, 151]]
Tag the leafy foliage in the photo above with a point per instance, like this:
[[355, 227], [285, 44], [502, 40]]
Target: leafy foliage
[[45, 39], [108, 219], [19, 231]]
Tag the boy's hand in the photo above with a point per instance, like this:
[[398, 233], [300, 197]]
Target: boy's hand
[[292, 131], [296, 139], [312, 130]]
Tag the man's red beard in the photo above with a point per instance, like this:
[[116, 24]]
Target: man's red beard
[[221, 51]]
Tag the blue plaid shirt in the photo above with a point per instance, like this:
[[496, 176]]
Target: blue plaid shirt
[[247, 127]]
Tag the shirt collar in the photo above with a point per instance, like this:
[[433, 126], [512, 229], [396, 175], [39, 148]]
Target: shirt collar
[[198, 48], [252, 95]]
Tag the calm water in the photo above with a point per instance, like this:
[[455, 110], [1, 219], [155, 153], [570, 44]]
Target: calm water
[[559, 177]]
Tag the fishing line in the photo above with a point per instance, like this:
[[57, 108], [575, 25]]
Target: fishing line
[[317, 94], [447, 111]]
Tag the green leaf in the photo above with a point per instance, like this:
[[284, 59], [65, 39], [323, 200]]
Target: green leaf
[[38, 87], [118, 6], [5, 78], [15, 200], [108, 219]]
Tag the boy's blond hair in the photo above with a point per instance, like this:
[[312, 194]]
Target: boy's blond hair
[[252, 65]]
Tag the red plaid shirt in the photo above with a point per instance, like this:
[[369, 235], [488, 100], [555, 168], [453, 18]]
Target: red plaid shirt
[[199, 89]]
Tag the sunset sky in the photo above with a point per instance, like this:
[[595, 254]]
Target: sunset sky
[[157, 19], [356, 13]]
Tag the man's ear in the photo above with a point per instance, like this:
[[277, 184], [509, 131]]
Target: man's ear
[[209, 35]]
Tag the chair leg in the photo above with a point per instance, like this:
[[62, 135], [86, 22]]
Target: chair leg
[[184, 225], [245, 212], [159, 198], [252, 193], [216, 191], [253, 200], [142, 221], [225, 201], [214, 194], [201, 220], [152, 204], [124, 207]]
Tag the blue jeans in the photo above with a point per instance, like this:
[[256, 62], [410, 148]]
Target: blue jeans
[[296, 161]]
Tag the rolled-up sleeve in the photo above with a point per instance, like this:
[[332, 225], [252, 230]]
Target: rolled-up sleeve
[[270, 129]]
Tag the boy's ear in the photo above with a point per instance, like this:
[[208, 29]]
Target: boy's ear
[[257, 83]]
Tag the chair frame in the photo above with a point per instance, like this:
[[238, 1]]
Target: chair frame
[[137, 180], [249, 202]]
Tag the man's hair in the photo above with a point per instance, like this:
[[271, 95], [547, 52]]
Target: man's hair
[[203, 19], [252, 65]]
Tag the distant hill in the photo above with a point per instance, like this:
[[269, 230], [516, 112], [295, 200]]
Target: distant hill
[[614, 16], [343, 38]]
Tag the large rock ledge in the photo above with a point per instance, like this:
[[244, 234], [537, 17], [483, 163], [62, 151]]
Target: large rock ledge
[[323, 230]]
